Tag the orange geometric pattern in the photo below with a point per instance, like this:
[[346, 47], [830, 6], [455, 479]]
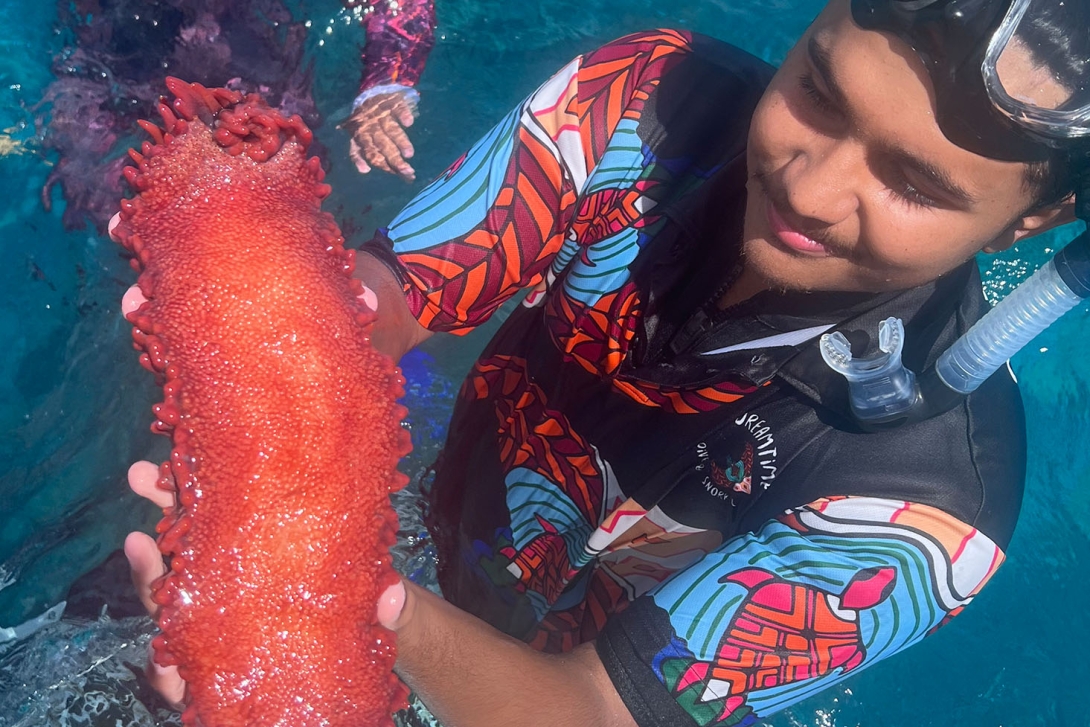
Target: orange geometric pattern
[[535, 437], [783, 633], [787, 632], [597, 337], [457, 284], [615, 82], [684, 401]]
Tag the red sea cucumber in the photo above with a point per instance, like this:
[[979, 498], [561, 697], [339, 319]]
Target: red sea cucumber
[[283, 418]]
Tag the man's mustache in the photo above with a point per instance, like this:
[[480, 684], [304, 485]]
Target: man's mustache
[[819, 233]]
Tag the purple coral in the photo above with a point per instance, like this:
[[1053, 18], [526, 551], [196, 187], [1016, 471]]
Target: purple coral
[[111, 74]]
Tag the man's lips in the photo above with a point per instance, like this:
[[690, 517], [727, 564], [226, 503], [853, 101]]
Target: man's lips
[[791, 237]]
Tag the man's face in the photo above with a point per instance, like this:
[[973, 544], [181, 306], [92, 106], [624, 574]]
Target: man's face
[[853, 186]]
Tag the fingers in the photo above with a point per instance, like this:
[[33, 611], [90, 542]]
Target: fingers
[[391, 604], [145, 480], [383, 153], [356, 155], [166, 680], [396, 134], [402, 110], [379, 140], [114, 221], [146, 564], [372, 153], [145, 561], [405, 115], [132, 300], [369, 299]]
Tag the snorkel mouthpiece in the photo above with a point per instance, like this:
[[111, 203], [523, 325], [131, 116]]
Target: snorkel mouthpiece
[[880, 388]]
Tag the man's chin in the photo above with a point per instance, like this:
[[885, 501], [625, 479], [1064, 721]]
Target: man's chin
[[772, 269], [779, 270]]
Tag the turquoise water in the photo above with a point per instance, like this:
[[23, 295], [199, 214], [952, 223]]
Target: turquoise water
[[74, 407]]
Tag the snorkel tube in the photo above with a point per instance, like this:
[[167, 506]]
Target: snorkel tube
[[1034, 305]]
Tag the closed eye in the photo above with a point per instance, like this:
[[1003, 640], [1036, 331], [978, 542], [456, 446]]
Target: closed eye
[[907, 192], [820, 101]]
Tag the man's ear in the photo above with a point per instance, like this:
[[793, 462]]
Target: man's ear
[[1034, 223]]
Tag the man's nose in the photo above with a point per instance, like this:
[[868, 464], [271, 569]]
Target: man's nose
[[820, 183]]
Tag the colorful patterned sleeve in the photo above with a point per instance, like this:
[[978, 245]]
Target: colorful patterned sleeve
[[777, 615], [400, 35], [494, 221]]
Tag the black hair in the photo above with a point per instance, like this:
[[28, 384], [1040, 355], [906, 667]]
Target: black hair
[[1056, 35], [1057, 178]]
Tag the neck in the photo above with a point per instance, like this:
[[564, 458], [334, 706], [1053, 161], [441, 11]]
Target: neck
[[745, 287]]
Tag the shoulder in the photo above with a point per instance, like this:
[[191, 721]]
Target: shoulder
[[995, 435], [674, 54], [693, 95], [683, 44]]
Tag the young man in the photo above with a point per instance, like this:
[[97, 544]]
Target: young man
[[655, 506]]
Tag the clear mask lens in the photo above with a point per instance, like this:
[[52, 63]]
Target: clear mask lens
[[1031, 78]]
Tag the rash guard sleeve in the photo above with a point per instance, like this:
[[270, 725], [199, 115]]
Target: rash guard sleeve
[[779, 614], [400, 35], [496, 220]]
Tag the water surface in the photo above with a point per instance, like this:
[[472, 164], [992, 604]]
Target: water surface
[[74, 407]]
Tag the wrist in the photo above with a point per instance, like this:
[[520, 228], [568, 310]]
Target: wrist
[[411, 95]]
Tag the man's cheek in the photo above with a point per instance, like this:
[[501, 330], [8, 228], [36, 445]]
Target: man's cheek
[[776, 134]]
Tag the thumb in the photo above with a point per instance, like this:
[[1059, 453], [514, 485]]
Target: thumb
[[391, 605], [369, 299]]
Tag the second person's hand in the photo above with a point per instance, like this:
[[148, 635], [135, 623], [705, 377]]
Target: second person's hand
[[378, 135]]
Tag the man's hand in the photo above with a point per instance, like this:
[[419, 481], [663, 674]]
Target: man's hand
[[378, 135], [147, 565]]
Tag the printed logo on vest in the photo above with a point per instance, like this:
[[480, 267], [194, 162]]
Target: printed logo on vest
[[739, 472]]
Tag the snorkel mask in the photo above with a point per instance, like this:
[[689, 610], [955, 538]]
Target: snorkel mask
[[1005, 84], [1009, 85]]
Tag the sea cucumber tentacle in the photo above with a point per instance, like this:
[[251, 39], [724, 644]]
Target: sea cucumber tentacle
[[284, 422]]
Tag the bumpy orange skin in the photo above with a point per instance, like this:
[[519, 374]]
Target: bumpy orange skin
[[283, 418]]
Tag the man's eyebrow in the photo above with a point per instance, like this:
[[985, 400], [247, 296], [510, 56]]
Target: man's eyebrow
[[821, 60]]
